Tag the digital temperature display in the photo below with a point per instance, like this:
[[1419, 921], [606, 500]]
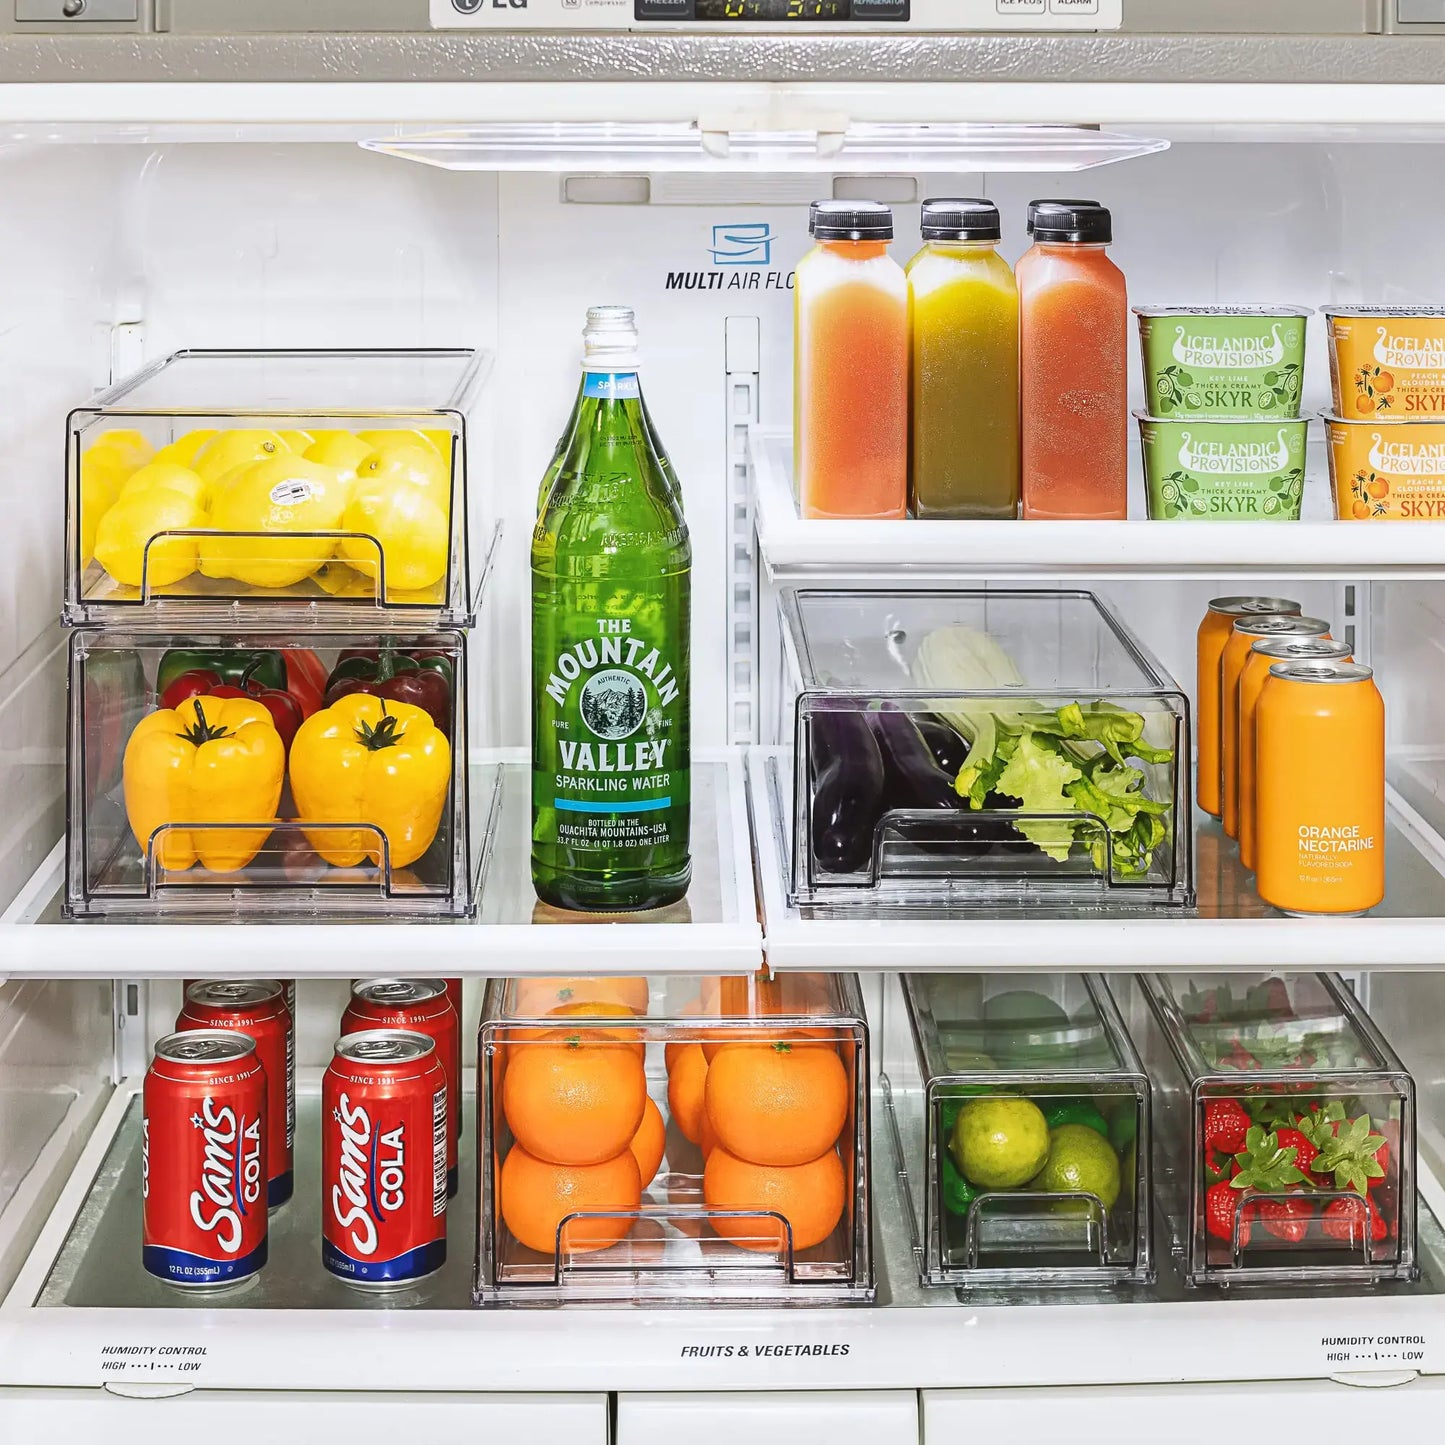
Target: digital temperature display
[[768, 12]]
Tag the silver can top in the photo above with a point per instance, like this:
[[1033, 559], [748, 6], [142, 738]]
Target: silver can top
[[1302, 649], [1276, 626], [1333, 672], [205, 1046], [1254, 606], [383, 1046], [398, 992], [233, 993]]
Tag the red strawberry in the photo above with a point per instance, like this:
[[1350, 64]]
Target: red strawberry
[[1240, 1059], [1305, 1152], [1225, 1125], [1382, 1158], [1220, 1204], [1286, 1219], [1344, 1220]]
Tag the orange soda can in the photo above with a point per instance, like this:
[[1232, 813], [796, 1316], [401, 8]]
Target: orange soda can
[[1321, 789], [1214, 632], [1247, 631], [1262, 656]]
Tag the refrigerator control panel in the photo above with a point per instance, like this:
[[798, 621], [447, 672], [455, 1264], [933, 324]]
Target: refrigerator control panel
[[800, 16]]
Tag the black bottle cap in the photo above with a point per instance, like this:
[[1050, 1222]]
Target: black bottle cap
[[1082, 225], [1036, 206], [850, 221], [965, 220]]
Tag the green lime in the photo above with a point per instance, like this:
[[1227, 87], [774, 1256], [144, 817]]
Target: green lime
[[1024, 1006], [958, 1193], [1080, 1162], [1124, 1129], [1059, 1112], [1000, 1143]]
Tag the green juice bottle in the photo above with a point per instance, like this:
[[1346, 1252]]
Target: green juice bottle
[[611, 613]]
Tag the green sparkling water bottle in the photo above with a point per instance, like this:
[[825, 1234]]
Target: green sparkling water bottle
[[611, 612]]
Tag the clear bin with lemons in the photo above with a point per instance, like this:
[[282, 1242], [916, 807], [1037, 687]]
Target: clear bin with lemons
[[326, 487], [1022, 1116]]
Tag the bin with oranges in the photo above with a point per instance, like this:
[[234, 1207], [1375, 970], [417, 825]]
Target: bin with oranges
[[673, 1139], [1022, 1114]]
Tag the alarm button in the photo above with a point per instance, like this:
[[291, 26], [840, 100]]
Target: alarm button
[[1021, 7], [1073, 7]]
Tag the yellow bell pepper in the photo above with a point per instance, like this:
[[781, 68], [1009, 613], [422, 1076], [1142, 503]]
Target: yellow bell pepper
[[212, 760], [368, 760]]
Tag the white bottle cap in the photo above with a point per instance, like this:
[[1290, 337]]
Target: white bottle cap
[[610, 339]]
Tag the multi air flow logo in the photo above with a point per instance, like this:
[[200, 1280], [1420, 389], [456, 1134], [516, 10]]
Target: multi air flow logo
[[742, 258]]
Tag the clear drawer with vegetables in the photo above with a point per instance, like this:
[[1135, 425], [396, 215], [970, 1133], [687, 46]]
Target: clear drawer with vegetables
[[224, 775], [1022, 1117], [987, 749], [328, 487], [674, 1140], [1286, 1129]]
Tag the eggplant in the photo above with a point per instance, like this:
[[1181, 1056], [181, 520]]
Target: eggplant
[[848, 789], [948, 746]]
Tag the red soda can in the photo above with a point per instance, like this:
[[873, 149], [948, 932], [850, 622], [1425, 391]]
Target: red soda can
[[258, 1009], [422, 1006], [384, 1159], [204, 1192]]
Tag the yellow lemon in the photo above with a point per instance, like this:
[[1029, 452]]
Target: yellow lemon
[[123, 544], [184, 449], [298, 441], [405, 465], [412, 530], [102, 475], [388, 438], [127, 447], [341, 450], [283, 494], [159, 476], [228, 450]]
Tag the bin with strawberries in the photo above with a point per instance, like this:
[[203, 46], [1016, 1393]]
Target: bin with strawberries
[[1287, 1129], [221, 773], [312, 485], [1024, 1116], [671, 1139]]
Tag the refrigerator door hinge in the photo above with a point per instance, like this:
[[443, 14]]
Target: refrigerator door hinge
[[131, 1054], [744, 364], [127, 349]]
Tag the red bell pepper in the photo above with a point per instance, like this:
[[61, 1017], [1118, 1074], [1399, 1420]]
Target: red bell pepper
[[286, 709], [305, 679]]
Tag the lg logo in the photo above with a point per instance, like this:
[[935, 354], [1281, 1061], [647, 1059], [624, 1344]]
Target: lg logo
[[470, 7]]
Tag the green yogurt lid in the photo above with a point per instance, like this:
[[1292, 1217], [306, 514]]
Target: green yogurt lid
[[1281, 310], [1209, 418]]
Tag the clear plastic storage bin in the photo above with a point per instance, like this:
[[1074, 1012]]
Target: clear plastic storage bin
[[175, 811], [1021, 1113], [989, 749], [1286, 1134], [327, 487], [620, 1164]]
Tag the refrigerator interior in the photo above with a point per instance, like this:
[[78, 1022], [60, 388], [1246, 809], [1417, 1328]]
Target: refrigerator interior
[[123, 251]]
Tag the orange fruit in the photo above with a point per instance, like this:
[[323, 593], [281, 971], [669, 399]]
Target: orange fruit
[[758, 996], [777, 1103], [708, 1142], [536, 1197], [1378, 488], [685, 1091], [1364, 404], [1360, 511], [1385, 383], [809, 1196], [536, 997], [574, 1098], [650, 1143], [589, 1011]]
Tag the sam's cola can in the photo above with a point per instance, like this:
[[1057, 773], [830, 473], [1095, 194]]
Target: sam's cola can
[[257, 1009], [203, 1160], [384, 1159], [423, 1006]]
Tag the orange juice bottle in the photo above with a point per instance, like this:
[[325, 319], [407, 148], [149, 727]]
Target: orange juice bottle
[[1074, 349], [963, 309], [1262, 656], [1247, 631], [1214, 632], [1321, 789], [850, 367]]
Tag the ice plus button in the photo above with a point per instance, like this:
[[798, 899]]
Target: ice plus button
[[1021, 7]]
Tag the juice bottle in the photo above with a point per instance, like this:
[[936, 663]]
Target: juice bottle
[[851, 366], [1214, 632], [1247, 631], [1263, 656], [964, 324], [1073, 367], [1321, 847]]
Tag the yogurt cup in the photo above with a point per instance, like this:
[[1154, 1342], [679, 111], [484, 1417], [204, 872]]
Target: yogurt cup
[[1223, 361], [1223, 469], [1387, 470], [1387, 361]]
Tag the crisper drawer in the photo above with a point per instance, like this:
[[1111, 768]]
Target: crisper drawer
[[806, 1417], [239, 1417], [1180, 1414]]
